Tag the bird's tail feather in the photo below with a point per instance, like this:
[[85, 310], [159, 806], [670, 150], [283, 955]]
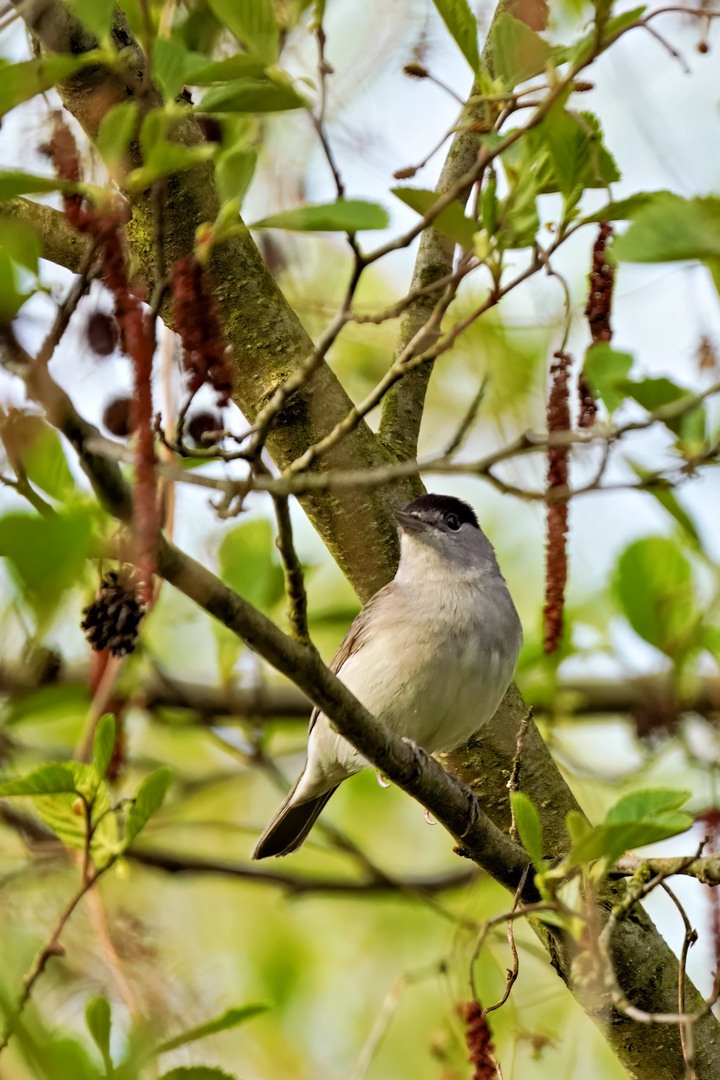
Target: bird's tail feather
[[289, 828]]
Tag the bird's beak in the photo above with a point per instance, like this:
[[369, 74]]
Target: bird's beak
[[409, 523]]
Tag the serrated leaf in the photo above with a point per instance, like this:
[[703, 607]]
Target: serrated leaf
[[670, 228], [579, 156], [529, 825], [229, 1019], [345, 215], [653, 583], [462, 24], [253, 24], [611, 841], [47, 780], [148, 798], [451, 221], [607, 373], [97, 15], [646, 803], [252, 96], [234, 170], [104, 744], [518, 53], [20, 82], [98, 1017]]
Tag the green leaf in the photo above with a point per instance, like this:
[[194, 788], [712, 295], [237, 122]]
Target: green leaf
[[174, 65], [13, 182], [36, 446], [46, 555], [196, 1072], [253, 96], [234, 170], [162, 157], [607, 373], [451, 221], [253, 24], [98, 1018], [47, 780], [578, 825], [518, 53], [669, 501], [97, 15], [247, 565], [104, 744], [623, 209], [116, 131], [462, 24], [670, 228], [652, 394], [611, 841], [579, 156], [345, 215], [653, 582], [239, 66], [20, 82], [529, 825], [646, 803], [229, 1019], [148, 798], [21, 242]]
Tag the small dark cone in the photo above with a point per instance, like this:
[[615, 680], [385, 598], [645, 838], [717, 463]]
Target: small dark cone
[[102, 333], [112, 620], [202, 424], [118, 417]]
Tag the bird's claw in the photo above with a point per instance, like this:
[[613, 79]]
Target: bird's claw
[[420, 754]]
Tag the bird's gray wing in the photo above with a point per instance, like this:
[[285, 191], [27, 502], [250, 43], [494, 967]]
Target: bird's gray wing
[[356, 636]]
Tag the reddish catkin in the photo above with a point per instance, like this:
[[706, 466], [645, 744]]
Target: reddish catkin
[[197, 323], [558, 419], [481, 1052], [137, 337], [597, 312]]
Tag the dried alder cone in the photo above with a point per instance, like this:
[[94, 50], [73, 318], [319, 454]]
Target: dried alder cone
[[479, 1042], [198, 324], [113, 619], [137, 338], [558, 419]]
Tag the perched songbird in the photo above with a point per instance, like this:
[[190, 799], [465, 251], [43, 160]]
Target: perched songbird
[[431, 655]]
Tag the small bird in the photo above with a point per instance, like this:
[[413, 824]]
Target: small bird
[[430, 655]]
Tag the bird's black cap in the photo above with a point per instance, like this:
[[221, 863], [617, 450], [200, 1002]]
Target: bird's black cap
[[442, 505]]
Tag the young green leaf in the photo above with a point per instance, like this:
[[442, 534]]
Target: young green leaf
[[623, 209], [247, 565], [174, 65], [345, 215], [229, 1019], [253, 96], [518, 52], [653, 583], [234, 170], [646, 803], [654, 393], [239, 66], [13, 182], [104, 744], [98, 1019], [669, 501], [20, 82], [611, 841], [148, 798], [670, 228], [462, 24], [97, 15], [529, 825], [253, 24], [451, 221], [578, 154], [117, 128], [37, 447], [47, 780], [607, 373]]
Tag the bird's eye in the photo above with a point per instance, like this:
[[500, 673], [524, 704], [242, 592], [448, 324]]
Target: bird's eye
[[453, 522]]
